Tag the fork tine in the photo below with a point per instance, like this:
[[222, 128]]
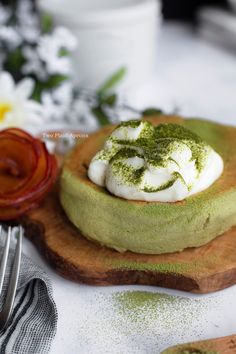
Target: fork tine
[[11, 292], [4, 257]]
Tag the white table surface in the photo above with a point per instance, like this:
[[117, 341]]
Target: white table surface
[[200, 80]]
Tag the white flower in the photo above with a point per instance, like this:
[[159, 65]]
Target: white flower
[[81, 115], [33, 64], [29, 33], [64, 93], [10, 36], [26, 14], [49, 106], [65, 39], [57, 103], [5, 14], [29, 26], [52, 111], [49, 49], [61, 66], [16, 109]]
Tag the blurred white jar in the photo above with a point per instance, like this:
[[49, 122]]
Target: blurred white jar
[[111, 34]]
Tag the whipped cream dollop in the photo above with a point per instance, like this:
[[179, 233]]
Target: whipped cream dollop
[[165, 163]]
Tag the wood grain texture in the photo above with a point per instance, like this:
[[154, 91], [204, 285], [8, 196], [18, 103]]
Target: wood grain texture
[[224, 345], [201, 270]]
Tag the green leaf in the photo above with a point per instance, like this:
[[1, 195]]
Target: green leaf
[[101, 116], [63, 52], [112, 81], [152, 111], [46, 22], [108, 100], [54, 81], [14, 61], [38, 89]]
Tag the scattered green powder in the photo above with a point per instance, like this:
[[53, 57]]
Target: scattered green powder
[[147, 306], [199, 148], [143, 308], [133, 123], [141, 322], [155, 146], [193, 268], [170, 183], [173, 268], [133, 303]]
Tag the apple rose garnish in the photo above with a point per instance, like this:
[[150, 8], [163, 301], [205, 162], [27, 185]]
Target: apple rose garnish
[[27, 172]]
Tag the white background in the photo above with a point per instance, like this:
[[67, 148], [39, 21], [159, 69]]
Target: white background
[[200, 80]]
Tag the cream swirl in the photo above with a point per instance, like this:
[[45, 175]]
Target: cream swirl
[[166, 163]]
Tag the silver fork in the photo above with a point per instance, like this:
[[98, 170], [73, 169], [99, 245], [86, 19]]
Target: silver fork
[[14, 275]]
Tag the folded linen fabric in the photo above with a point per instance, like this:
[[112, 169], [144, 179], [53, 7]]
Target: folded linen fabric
[[33, 322]]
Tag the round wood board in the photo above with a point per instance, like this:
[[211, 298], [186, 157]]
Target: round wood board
[[201, 270], [223, 345]]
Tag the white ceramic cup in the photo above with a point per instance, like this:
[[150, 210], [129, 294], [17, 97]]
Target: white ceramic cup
[[111, 34]]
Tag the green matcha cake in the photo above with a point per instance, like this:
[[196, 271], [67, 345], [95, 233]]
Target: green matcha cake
[[151, 227]]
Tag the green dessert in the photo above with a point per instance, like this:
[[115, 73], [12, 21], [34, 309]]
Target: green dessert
[[152, 226]]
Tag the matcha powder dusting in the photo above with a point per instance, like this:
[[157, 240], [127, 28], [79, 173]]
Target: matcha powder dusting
[[147, 321], [145, 308], [158, 315]]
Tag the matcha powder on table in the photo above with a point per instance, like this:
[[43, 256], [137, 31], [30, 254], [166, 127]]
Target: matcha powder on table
[[145, 322], [158, 314], [144, 307]]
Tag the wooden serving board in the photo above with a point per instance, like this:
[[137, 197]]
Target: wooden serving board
[[201, 270], [223, 345]]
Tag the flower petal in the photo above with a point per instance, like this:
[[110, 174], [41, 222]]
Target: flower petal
[[6, 83], [25, 88], [34, 106]]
